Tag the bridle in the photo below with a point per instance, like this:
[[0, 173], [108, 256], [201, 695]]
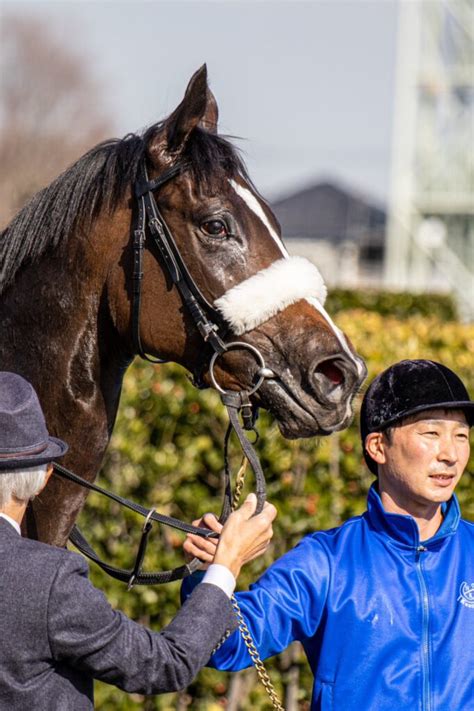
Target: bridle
[[206, 317], [149, 223]]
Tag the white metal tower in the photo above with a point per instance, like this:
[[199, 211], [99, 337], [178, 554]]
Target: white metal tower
[[430, 236]]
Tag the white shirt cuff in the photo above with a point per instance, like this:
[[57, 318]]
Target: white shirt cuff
[[221, 576]]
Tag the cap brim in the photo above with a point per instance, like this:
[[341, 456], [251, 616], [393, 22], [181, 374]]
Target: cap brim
[[55, 450], [467, 406]]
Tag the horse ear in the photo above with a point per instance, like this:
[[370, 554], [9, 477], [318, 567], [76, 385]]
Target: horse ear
[[211, 115], [198, 108]]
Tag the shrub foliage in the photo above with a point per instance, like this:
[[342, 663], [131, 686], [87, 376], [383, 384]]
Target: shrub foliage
[[403, 304]]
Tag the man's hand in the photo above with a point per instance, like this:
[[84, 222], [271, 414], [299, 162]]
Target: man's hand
[[243, 537]]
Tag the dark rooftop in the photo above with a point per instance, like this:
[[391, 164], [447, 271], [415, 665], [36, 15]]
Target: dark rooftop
[[329, 211]]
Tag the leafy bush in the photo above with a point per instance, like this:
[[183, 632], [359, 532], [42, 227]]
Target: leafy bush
[[392, 303], [166, 451]]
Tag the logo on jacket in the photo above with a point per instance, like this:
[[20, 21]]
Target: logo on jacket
[[466, 595]]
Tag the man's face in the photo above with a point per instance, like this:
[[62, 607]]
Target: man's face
[[425, 456]]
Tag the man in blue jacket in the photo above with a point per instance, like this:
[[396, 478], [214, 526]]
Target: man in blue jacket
[[384, 604]]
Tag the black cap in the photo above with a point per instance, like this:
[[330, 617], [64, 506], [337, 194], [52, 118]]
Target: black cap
[[408, 387]]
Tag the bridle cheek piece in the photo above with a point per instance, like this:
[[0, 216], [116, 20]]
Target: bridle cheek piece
[[207, 319], [208, 322], [149, 215]]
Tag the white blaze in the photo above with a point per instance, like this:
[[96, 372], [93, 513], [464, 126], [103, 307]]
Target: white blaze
[[253, 204], [337, 332]]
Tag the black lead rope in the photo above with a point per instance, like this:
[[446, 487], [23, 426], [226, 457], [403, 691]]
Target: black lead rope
[[134, 576], [234, 402]]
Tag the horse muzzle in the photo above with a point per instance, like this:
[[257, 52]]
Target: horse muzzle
[[317, 402]]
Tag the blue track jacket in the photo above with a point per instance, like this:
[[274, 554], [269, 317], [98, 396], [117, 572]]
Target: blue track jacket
[[387, 622]]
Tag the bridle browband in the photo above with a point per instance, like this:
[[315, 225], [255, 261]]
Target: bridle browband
[[208, 321]]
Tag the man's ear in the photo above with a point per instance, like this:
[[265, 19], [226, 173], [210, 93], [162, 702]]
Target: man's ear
[[49, 471], [375, 447]]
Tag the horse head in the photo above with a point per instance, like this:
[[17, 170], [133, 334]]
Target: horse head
[[70, 272], [230, 243]]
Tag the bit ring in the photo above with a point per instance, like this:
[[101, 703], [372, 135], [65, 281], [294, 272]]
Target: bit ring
[[235, 346]]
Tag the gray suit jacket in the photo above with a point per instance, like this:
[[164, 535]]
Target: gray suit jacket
[[58, 633]]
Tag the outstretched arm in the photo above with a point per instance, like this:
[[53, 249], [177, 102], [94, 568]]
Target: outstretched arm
[[284, 605], [84, 631]]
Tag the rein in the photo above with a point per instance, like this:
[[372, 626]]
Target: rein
[[208, 322], [234, 402], [134, 576]]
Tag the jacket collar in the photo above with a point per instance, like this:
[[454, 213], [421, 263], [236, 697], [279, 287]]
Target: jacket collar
[[12, 522], [403, 528], [7, 530]]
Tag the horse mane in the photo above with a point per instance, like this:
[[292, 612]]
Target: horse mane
[[98, 181]]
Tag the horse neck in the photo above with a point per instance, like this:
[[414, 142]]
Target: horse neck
[[56, 332]]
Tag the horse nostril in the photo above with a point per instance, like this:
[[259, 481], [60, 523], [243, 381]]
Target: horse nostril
[[331, 371]]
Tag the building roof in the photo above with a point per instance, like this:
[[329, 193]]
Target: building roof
[[329, 211]]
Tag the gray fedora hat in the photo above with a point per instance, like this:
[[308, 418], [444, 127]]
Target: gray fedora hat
[[24, 438]]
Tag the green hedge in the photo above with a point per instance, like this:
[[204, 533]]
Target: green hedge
[[392, 303], [166, 452]]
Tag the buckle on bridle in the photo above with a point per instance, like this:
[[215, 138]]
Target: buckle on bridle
[[210, 333], [147, 526], [139, 238]]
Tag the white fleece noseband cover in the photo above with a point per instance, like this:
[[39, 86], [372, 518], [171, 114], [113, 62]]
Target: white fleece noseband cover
[[257, 299]]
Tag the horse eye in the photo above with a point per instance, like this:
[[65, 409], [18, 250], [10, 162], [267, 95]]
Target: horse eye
[[215, 228]]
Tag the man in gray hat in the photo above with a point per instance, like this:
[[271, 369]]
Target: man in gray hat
[[58, 632], [384, 604]]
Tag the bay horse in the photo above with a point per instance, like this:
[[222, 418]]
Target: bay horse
[[68, 277]]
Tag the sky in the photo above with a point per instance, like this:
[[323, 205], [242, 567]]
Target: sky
[[308, 87]]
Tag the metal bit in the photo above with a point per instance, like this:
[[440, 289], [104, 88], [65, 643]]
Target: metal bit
[[265, 373]]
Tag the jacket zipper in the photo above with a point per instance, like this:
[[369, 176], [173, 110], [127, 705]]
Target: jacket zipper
[[426, 702]]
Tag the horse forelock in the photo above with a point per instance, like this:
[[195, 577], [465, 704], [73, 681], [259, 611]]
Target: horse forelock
[[213, 158], [98, 181]]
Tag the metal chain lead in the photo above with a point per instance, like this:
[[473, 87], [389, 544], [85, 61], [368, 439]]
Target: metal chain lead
[[259, 666], [239, 483], [244, 630]]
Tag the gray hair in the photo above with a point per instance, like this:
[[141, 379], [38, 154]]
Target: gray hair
[[21, 484]]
